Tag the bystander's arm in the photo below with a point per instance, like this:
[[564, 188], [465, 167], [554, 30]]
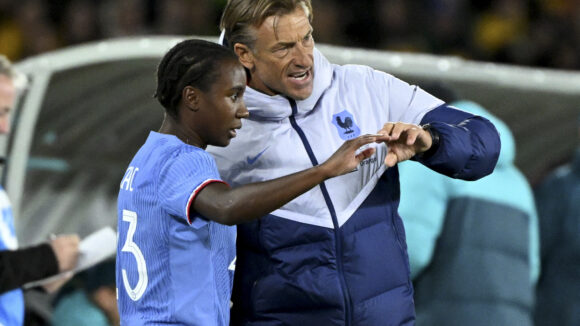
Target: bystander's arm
[[18, 267]]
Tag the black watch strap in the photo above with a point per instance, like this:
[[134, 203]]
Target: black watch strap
[[434, 145]]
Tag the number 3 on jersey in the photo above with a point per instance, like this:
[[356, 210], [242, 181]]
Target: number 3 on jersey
[[137, 292]]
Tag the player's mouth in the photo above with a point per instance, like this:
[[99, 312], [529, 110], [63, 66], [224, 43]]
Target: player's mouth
[[233, 133]]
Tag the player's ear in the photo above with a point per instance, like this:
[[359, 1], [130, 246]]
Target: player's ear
[[245, 55], [190, 96]]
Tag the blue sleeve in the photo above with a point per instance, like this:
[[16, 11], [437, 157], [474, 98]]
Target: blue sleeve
[[182, 179], [469, 145]]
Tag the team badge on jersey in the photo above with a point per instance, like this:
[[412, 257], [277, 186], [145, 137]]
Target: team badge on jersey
[[345, 125]]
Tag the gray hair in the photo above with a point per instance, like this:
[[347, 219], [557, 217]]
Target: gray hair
[[240, 16], [7, 69]]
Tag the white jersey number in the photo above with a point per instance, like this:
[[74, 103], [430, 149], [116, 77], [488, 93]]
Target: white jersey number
[[137, 292]]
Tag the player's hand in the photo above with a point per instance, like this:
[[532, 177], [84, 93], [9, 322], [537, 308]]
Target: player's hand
[[404, 140], [347, 157], [66, 250]]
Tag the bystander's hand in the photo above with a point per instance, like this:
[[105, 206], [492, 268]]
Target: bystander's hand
[[66, 250]]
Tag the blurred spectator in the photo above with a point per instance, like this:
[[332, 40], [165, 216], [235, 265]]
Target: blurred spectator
[[555, 36], [473, 246], [20, 266], [124, 18], [394, 24], [181, 17], [10, 36], [328, 25], [80, 22], [37, 30], [558, 201], [27, 29], [92, 301], [450, 21], [174, 16], [359, 26], [503, 24]]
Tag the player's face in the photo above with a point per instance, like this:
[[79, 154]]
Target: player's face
[[7, 98], [223, 105], [282, 61]]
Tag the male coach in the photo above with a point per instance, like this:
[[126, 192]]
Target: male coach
[[337, 254]]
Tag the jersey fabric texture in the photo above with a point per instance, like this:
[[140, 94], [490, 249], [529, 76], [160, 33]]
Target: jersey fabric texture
[[336, 255], [473, 246], [172, 268], [558, 291], [11, 302]]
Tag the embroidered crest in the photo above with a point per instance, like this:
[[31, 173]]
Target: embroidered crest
[[345, 125]]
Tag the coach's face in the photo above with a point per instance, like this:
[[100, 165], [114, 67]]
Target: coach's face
[[281, 61]]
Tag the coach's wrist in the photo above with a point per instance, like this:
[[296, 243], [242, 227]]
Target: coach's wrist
[[435, 141]]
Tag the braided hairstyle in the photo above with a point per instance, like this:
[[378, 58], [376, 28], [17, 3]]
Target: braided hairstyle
[[189, 63]]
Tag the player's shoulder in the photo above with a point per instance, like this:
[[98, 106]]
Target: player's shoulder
[[192, 154], [179, 159]]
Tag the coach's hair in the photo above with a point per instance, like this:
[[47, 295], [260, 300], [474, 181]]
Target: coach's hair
[[240, 15], [189, 63]]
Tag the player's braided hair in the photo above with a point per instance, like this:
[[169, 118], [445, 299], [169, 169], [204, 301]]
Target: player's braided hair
[[189, 63]]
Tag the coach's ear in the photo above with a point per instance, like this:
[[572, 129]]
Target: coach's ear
[[245, 55]]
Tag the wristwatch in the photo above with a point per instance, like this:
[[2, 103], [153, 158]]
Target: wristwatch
[[435, 140]]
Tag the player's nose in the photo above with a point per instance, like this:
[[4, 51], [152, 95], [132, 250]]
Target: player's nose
[[242, 111]]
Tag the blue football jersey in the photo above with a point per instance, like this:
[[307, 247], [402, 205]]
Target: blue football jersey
[[172, 268], [11, 302]]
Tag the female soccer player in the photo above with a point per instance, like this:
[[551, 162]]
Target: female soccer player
[[176, 239]]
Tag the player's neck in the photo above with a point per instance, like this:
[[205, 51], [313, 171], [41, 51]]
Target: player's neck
[[171, 126]]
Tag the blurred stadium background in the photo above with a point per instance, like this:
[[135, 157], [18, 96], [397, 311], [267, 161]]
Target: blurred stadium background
[[543, 33]]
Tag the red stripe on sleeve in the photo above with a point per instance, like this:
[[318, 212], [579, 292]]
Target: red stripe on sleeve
[[194, 194]]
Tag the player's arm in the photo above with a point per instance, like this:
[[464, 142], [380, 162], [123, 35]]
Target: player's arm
[[225, 205]]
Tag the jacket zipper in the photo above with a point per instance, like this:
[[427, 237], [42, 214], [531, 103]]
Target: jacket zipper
[[337, 230]]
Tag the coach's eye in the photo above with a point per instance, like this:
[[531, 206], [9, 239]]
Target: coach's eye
[[281, 51]]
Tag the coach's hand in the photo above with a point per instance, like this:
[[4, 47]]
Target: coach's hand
[[404, 140]]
